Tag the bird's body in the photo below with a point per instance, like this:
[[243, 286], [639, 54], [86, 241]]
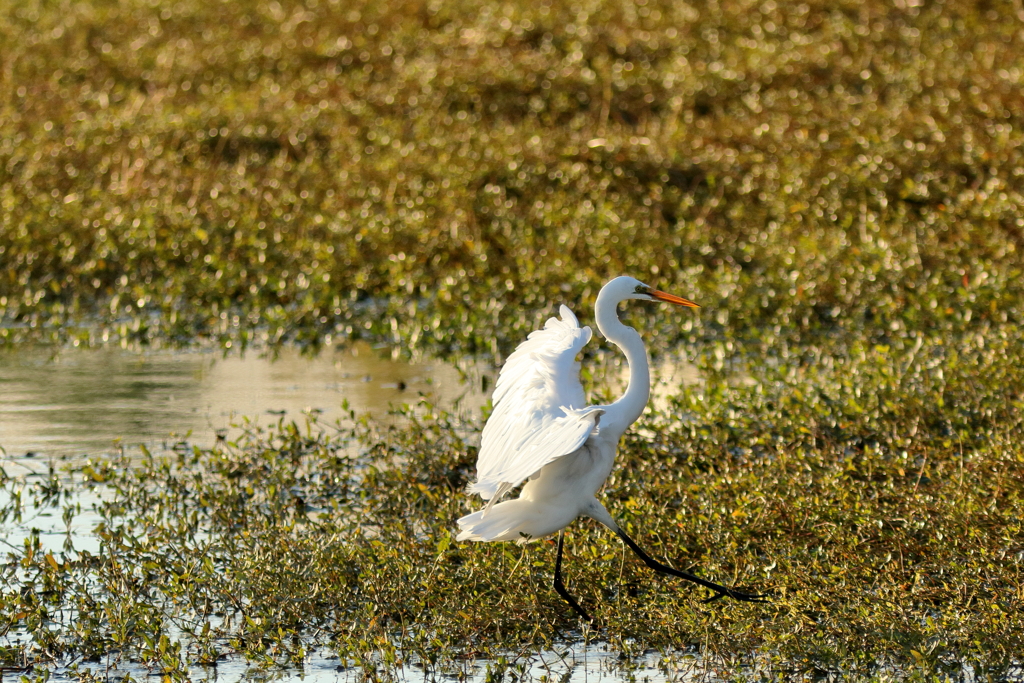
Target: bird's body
[[541, 431], [562, 491]]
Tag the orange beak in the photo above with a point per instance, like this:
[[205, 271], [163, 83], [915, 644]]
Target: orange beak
[[672, 298]]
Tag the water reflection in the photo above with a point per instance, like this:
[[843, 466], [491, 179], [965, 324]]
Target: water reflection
[[580, 661], [79, 401]]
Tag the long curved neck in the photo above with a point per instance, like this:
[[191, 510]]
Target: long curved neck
[[624, 412]]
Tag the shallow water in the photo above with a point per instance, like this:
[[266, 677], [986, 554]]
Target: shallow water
[[579, 662], [78, 402]]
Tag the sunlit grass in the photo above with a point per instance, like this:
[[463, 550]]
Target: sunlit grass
[[840, 187]]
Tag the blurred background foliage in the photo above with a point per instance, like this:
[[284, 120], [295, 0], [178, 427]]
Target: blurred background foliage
[[436, 174]]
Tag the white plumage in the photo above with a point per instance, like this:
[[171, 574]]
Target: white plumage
[[540, 411], [541, 431]]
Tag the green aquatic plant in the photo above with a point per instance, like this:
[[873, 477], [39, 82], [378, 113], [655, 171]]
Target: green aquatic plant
[[436, 175], [875, 492], [839, 185]]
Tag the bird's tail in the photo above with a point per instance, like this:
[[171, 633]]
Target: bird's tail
[[501, 523], [485, 489], [490, 492]]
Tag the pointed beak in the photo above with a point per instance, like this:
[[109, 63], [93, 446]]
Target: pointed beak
[[672, 298]]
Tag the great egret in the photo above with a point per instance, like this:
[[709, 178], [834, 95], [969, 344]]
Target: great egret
[[541, 430]]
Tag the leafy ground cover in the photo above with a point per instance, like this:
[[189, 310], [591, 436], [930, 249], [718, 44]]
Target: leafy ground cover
[[438, 172], [839, 184], [886, 527]]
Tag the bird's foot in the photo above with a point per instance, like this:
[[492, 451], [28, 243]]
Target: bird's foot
[[737, 595]]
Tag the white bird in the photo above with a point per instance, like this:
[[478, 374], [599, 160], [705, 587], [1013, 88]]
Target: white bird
[[541, 431]]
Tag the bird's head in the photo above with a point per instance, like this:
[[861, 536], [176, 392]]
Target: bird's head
[[623, 288]]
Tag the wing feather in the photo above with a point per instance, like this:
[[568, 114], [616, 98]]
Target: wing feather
[[539, 408]]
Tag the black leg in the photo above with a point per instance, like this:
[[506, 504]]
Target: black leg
[[560, 587], [721, 591]]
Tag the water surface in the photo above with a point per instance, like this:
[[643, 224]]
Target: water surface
[[76, 402], [80, 402]]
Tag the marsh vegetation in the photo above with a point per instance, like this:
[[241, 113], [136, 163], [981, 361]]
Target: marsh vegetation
[[839, 185]]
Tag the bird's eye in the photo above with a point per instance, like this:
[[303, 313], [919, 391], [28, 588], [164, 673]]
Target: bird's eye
[[641, 289]]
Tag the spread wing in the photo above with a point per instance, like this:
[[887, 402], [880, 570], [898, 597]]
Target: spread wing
[[539, 408]]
